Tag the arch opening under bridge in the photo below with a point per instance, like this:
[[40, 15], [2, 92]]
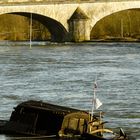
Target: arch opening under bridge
[[122, 25], [55, 30]]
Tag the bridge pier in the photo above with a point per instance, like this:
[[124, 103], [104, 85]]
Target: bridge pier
[[79, 28]]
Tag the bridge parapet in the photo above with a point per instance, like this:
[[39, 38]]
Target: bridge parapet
[[57, 1], [42, 1]]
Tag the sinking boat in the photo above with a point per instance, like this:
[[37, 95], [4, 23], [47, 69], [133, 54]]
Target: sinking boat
[[36, 118]]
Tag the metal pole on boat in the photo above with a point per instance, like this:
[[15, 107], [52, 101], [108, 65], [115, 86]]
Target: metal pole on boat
[[30, 30], [93, 103], [94, 99]]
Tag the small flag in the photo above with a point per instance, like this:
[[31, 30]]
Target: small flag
[[98, 103], [95, 85]]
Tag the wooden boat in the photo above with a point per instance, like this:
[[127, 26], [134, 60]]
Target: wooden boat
[[36, 118]]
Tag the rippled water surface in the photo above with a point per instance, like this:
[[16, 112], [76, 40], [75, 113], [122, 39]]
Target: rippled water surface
[[64, 74]]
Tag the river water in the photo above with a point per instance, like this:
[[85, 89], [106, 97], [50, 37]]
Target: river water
[[64, 74]]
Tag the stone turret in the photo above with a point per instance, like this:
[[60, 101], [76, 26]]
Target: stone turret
[[79, 28]]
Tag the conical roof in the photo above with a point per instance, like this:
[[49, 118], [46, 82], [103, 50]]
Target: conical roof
[[78, 14]]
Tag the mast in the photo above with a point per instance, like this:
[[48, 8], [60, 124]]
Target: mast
[[30, 30], [96, 103], [93, 104], [94, 99]]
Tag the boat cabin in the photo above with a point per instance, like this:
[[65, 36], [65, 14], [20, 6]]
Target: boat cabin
[[78, 123]]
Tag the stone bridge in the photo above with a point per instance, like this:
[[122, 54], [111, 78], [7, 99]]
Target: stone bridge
[[67, 20]]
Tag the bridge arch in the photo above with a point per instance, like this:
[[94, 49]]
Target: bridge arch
[[56, 29], [123, 24], [98, 11]]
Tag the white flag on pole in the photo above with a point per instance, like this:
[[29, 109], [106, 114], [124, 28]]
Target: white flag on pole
[[98, 103]]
